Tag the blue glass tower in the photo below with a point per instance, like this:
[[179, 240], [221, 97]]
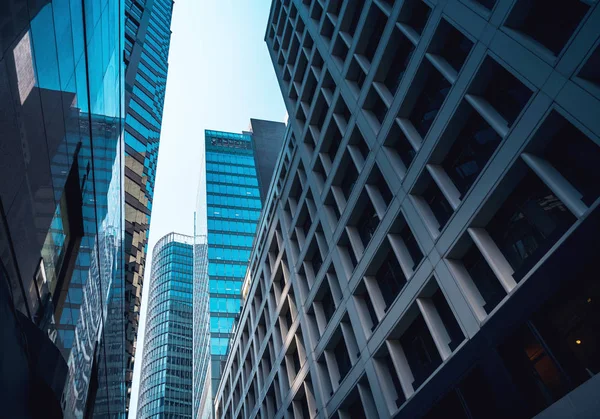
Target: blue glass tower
[[61, 209], [147, 41], [236, 175], [166, 382], [233, 208]]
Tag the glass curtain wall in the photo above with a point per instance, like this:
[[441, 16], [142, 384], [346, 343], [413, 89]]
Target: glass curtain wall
[[166, 380], [232, 208]]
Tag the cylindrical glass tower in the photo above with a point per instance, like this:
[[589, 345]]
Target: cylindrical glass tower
[[166, 382]]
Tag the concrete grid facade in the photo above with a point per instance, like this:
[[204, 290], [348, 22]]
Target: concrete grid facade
[[426, 247]]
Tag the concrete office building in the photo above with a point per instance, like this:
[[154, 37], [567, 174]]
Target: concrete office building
[[234, 176], [166, 380], [61, 230], [147, 41], [428, 245]]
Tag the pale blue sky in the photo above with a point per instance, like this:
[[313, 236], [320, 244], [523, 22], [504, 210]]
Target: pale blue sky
[[220, 76]]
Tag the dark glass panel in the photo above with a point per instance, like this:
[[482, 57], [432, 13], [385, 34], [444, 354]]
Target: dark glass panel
[[342, 358], [390, 278], [576, 157], [528, 223], [550, 26], [368, 223], [470, 152], [484, 278], [506, 93], [437, 202], [430, 100], [421, 353]]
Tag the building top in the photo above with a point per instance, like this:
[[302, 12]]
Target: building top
[[173, 237]]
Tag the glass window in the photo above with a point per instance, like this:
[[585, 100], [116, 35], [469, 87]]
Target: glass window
[[529, 222]]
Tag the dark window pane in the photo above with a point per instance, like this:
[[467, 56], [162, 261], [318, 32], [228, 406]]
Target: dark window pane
[[402, 50], [576, 157], [429, 102], [390, 278], [328, 305], [368, 224], [411, 244], [529, 222], [570, 325], [484, 278], [342, 358], [421, 353], [455, 48], [415, 13], [452, 328], [550, 26], [439, 206], [405, 150], [470, 152], [349, 179], [535, 373], [506, 93], [395, 381]]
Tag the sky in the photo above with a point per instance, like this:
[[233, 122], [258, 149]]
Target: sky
[[220, 75]]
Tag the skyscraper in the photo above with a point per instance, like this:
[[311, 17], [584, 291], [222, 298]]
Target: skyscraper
[[147, 40], [166, 379], [61, 230], [428, 246], [229, 204]]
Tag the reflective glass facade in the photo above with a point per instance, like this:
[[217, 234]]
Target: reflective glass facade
[[61, 209], [232, 207], [166, 381], [147, 40]]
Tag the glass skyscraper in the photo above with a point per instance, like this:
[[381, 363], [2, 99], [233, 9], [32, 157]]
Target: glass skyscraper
[[61, 209], [166, 380], [147, 40], [233, 207], [237, 171]]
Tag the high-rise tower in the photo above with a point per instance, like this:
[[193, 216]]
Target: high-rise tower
[[429, 245], [61, 229], [147, 40], [166, 379], [237, 172]]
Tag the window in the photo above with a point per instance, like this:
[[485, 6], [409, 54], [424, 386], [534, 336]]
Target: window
[[576, 157], [371, 32], [390, 278], [503, 91], [436, 201], [420, 351], [415, 14], [395, 59], [470, 152], [433, 91], [551, 27], [529, 222], [342, 358], [484, 278], [451, 44]]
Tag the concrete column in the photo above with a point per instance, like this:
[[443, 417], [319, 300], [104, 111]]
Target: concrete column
[[441, 178], [402, 368], [468, 288], [411, 134], [436, 326], [488, 113], [493, 257], [556, 182]]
